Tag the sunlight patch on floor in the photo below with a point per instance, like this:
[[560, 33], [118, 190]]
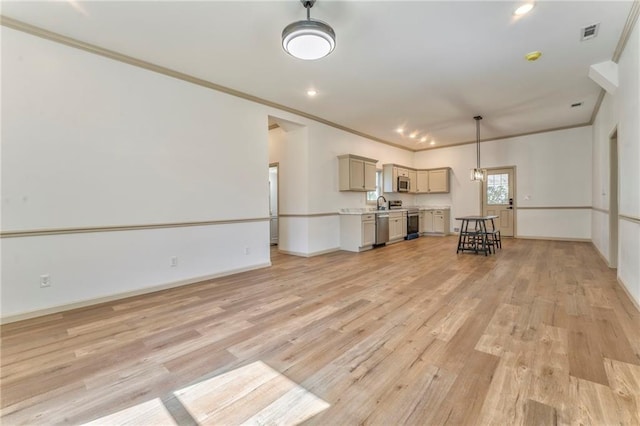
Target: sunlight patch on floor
[[255, 394]]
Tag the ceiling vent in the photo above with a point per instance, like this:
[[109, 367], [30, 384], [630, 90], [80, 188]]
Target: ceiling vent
[[589, 32]]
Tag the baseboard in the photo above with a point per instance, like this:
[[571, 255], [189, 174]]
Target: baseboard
[[577, 240], [315, 253], [634, 302], [602, 256], [89, 302]]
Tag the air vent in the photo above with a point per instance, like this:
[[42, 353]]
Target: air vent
[[577, 104], [589, 32]]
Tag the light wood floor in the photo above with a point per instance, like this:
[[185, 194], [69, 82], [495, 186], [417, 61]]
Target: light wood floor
[[539, 333]]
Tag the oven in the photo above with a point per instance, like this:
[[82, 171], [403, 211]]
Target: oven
[[413, 223]]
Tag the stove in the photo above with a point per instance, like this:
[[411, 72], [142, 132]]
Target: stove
[[413, 223]]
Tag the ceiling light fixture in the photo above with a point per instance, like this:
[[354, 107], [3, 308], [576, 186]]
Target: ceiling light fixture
[[477, 174], [533, 56], [432, 143], [524, 9], [309, 39], [400, 130], [312, 92], [423, 139]]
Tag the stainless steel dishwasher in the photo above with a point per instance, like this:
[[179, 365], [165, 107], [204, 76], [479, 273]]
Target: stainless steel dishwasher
[[382, 228]]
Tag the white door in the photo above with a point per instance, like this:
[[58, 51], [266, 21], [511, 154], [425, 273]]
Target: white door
[[273, 202], [498, 199]]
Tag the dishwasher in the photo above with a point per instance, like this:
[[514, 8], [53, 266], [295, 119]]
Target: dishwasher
[[382, 228]]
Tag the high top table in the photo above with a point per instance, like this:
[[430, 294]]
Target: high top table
[[476, 239]]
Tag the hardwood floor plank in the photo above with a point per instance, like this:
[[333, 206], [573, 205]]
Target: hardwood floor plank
[[411, 333], [625, 382], [536, 413]]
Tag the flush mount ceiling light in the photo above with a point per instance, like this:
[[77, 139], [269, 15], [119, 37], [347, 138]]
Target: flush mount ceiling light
[[524, 9], [477, 174], [533, 56], [309, 39]]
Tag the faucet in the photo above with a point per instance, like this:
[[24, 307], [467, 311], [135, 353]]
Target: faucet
[[378, 201]]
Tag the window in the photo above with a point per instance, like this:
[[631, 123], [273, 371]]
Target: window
[[372, 196], [498, 189]]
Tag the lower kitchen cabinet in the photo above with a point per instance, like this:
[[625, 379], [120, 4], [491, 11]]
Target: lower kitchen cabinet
[[397, 226], [357, 231], [434, 221]]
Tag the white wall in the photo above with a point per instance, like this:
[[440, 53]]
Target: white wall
[[621, 112], [91, 142], [553, 169], [308, 158]]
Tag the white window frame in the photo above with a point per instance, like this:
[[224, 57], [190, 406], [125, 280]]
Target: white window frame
[[371, 197]]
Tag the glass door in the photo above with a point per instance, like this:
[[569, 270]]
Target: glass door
[[498, 199]]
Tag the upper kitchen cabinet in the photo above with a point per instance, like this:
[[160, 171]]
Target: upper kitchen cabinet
[[433, 181], [438, 180], [390, 174], [413, 181], [356, 173]]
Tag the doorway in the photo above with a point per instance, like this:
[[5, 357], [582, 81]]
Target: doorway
[[273, 203], [498, 195], [613, 200]]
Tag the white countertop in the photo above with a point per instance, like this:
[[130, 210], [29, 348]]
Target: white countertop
[[434, 207], [371, 210]]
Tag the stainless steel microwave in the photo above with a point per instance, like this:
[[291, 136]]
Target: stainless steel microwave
[[403, 184]]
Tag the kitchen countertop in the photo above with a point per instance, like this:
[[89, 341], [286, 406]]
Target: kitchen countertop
[[371, 210], [434, 207]]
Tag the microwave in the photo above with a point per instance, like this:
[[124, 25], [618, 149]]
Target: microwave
[[403, 184]]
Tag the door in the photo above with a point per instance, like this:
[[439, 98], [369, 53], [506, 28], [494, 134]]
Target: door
[[273, 203], [498, 199], [613, 200]]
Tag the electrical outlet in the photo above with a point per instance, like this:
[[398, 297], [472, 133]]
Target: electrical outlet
[[174, 261], [246, 250], [45, 281], [456, 229]]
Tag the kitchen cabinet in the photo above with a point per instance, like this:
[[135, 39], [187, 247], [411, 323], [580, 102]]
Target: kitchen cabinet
[[438, 180], [435, 221], [389, 178], [397, 226], [356, 173], [413, 181], [429, 181], [422, 181], [390, 173], [357, 231], [433, 181], [368, 237]]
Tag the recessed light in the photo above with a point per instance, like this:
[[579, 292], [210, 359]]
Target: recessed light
[[423, 139], [432, 143], [524, 9], [312, 92], [533, 56], [413, 135], [400, 130]]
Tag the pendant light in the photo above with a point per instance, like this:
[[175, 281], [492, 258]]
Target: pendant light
[[309, 39], [478, 174]]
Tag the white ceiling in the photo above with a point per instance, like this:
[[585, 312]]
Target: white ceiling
[[428, 66]]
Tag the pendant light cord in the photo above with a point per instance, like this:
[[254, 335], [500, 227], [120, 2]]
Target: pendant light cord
[[478, 118]]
